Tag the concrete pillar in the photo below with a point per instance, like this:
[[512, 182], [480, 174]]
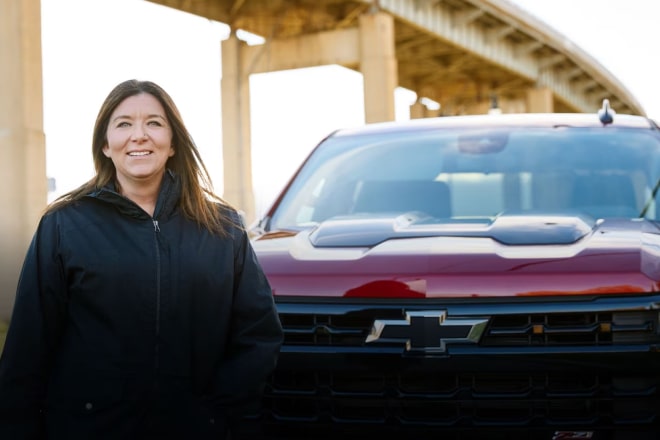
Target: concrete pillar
[[482, 107], [513, 105], [236, 142], [23, 182], [378, 66], [417, 110], [539, 100]]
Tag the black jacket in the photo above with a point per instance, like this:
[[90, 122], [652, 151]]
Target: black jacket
[[127, 326]]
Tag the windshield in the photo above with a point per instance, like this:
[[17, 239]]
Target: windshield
[[457, 175]]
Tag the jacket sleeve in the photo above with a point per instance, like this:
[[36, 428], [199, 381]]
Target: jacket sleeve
[[254, 340], [34, 330]]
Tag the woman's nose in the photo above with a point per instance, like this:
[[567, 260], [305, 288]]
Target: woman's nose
[[139, 134]]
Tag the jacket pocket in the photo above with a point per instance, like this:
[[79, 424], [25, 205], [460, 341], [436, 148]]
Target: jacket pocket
[[89, 410], [86, 395]]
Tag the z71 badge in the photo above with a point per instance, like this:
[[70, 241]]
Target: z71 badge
[[572, 435]]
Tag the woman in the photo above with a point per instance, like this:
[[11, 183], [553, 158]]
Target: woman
[[141, 310]]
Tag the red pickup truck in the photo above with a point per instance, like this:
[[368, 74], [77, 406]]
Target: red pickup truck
[[490, 276]]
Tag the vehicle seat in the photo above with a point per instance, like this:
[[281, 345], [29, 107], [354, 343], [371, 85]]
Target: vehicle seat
[[605, 195], [379, 196]]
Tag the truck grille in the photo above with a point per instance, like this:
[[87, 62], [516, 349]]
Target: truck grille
[[561, 364], [349, 327]]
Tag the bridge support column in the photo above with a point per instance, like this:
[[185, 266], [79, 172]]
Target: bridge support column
[[417, 110], [513, 106], [481, 107], [236, 142], [23, 183], [539, 100], [378, 66]]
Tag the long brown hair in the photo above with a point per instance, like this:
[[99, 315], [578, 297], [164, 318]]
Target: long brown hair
[[198, 201]]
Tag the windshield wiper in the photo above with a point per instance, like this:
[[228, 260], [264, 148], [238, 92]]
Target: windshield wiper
[[650, 200]]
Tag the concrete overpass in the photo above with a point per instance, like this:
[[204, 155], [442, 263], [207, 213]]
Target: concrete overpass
[[466, 55]]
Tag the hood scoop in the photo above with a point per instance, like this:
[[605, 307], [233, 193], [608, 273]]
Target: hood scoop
[[520, 229], [516, 229]]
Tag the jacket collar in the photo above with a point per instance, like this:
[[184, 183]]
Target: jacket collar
[[168, 198]]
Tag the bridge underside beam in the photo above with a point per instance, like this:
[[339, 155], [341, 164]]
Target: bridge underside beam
[[466, 50]]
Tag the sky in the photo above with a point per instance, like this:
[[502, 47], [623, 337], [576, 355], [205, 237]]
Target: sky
[[89, 46]]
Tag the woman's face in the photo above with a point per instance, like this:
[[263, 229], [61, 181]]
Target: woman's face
[[139, 140]]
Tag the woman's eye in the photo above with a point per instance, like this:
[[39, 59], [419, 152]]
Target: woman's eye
[[156, 123], [123, 124]]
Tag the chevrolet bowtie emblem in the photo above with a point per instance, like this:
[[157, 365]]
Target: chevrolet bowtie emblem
[[427, 330]]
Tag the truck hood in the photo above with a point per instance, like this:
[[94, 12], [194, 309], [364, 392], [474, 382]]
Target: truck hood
[[514, 255]]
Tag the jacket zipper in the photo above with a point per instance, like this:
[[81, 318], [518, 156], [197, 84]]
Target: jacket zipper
[[157, 346]]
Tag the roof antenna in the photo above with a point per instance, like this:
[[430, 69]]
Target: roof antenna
[[606, 114]]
